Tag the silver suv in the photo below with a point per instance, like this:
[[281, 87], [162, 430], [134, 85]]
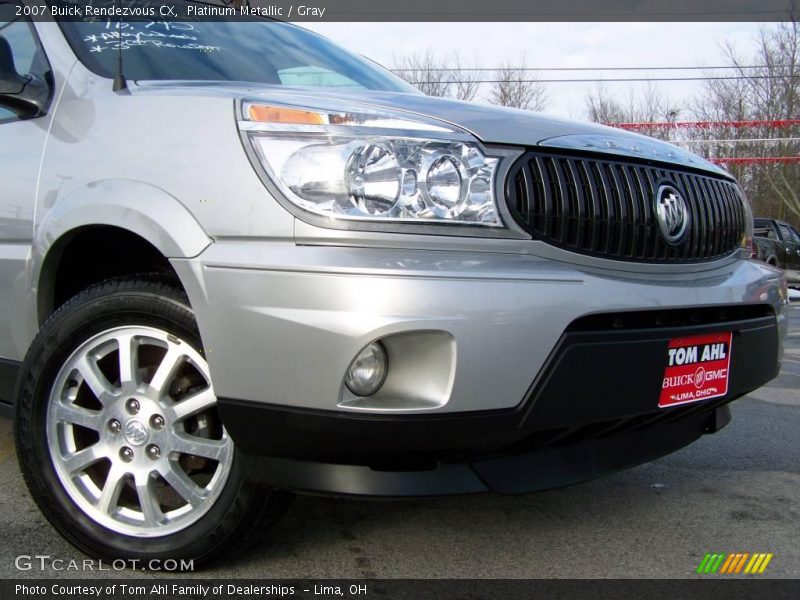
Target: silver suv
[[237, 261]]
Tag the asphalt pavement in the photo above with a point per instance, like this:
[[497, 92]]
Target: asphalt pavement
[[735, 491]]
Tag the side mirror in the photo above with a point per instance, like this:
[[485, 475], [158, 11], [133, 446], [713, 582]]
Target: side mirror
[[25, 94]]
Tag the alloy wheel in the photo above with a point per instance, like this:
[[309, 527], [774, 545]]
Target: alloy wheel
[[134, 434]]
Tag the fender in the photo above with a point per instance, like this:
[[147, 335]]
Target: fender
[[146, 210], [143, 209]]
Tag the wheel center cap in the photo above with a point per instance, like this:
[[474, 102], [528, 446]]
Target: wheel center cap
[[136, 432]]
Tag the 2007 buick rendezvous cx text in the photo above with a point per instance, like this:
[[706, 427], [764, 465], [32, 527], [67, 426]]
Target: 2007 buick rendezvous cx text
[[242, 262]]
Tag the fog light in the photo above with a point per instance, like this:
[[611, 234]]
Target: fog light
[[366, 373]]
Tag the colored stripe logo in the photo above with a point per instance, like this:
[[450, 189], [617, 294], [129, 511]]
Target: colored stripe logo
[[734, 563]]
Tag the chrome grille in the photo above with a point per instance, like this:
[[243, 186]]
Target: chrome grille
[[606, 207]]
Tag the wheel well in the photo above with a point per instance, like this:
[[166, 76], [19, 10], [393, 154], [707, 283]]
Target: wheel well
[[772, 260], [90, 255]]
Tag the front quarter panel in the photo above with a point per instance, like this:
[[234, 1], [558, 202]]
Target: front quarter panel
[[169, 169]]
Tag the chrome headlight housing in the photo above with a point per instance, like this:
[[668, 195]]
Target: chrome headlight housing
[[373, 165]]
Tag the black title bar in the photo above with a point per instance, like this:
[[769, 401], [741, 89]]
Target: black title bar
[[171, 588], [417, 10]]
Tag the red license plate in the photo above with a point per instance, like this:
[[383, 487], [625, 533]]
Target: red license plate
[[698, 368]]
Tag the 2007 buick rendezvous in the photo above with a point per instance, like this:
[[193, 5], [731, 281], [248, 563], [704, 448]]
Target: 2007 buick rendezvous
[[262, 263]]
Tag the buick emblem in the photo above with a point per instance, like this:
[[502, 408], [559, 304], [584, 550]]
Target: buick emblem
[[672, 214], [136, 432]]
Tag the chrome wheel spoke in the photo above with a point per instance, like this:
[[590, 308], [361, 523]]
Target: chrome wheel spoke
[[93, 378], [197, 446], [111, 490], [81, 460], [183, 486], [194, 404], [127, 359], [75, 415], [151, 512], [169, 364]]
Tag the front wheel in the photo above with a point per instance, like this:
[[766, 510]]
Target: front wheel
[[118, 434]]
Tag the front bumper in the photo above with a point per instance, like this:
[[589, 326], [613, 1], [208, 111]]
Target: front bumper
[[602, 379], [545, 358]]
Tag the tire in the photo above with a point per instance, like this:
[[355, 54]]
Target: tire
[[115, 461]]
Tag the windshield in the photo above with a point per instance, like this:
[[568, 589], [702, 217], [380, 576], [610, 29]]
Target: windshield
[[258, 51]]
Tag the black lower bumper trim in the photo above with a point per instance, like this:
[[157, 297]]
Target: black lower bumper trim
[[522, 473]]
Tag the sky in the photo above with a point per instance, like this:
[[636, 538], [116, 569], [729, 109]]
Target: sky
[[558, 45]]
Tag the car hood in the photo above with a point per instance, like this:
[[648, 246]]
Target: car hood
[[489, 123]]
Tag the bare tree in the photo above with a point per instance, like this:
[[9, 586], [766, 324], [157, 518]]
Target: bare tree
[[769, 93], [424, 71], [653, 104], [786, 190], [466, 81], [517, 87], [435, 77], [602, 107], [721, 101], [647, 105]]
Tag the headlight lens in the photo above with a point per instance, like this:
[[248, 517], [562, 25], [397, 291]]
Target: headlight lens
[[375, 168], [374, 178]]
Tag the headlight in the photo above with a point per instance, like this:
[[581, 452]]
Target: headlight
[[373, 165]]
